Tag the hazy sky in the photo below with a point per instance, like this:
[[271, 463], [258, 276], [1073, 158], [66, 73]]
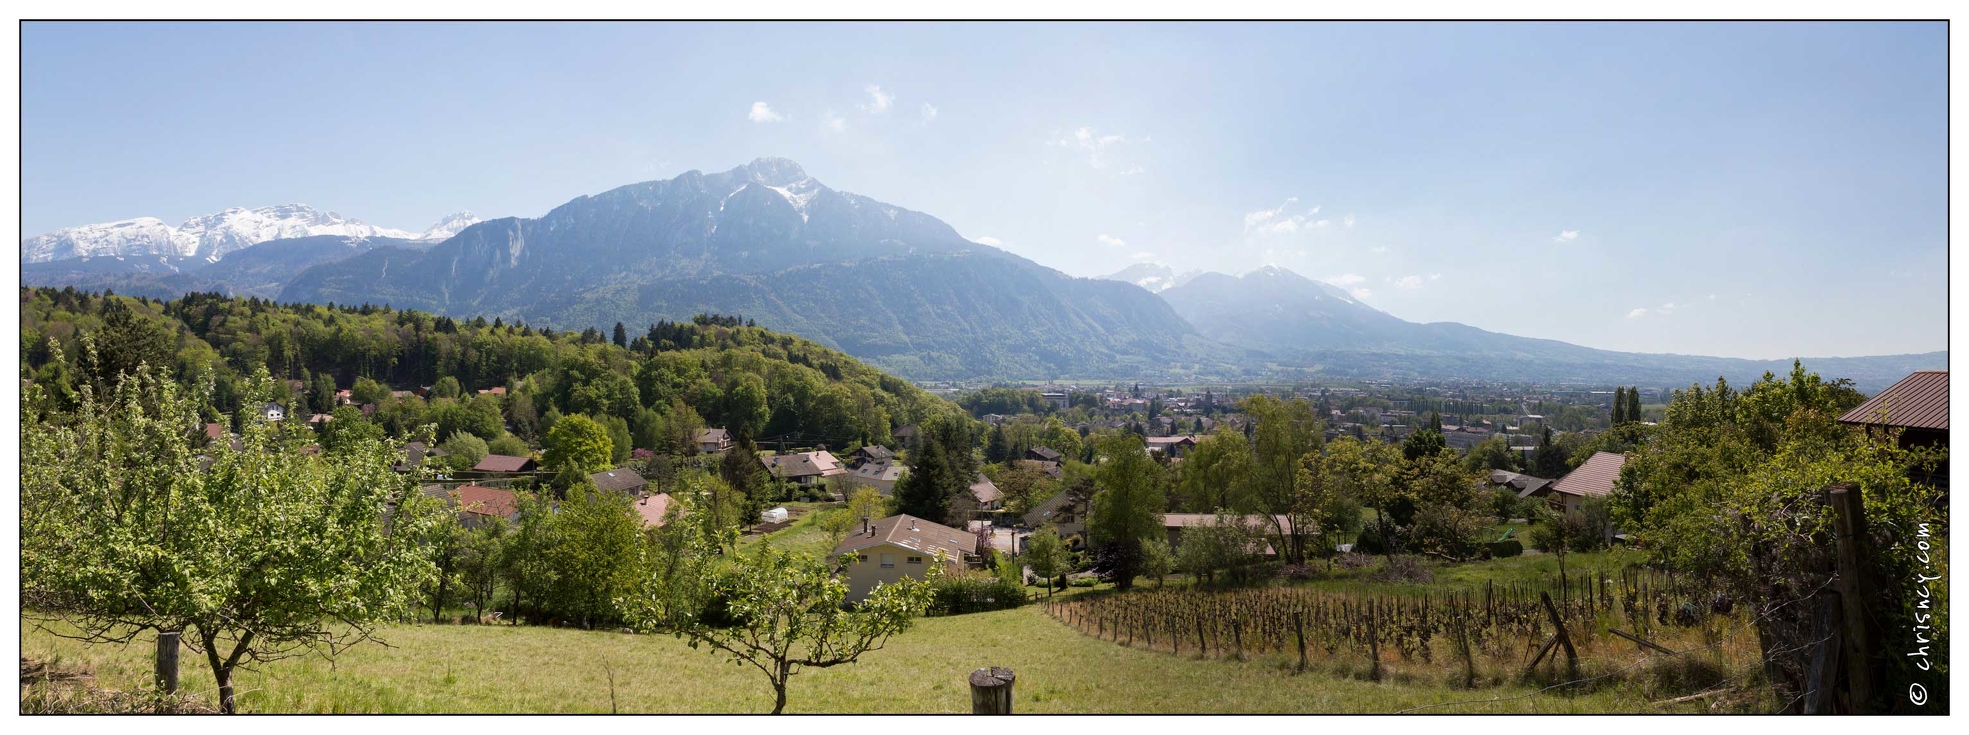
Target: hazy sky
[[1749, 190]]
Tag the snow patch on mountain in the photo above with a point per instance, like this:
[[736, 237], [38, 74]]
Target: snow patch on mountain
[[212, 236]]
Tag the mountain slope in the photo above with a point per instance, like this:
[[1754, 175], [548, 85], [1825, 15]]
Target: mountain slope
[[1318, 327], [213, 236], [899, 288]]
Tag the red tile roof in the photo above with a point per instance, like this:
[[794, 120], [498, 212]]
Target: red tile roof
[[653, 508], [1594, 478], [486, 501], [1919, 401]]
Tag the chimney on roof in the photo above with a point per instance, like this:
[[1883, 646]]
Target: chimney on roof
[[912, 523]]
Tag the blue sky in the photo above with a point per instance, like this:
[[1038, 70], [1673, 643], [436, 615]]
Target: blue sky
[[1748, 190]]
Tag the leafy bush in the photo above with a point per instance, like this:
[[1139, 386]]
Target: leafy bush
[[1505, 548], [971, 592], [1084, 582]]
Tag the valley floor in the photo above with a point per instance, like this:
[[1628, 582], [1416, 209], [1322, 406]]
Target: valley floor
[[503, 669]]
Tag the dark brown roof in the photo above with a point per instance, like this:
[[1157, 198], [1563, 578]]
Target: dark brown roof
[[1047, 454], [1919, 401], [1594, 478], [618, 480], [914, 534], [503, 463], [803, 464]]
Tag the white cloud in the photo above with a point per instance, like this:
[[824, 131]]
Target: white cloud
[[1111, 241], [929, 112], [879, 101], [1131, 171], [1435, 276], [1408, 282], [833, 122], [1144, 256], [1712, 297], [992, 241], [763, 113], [1361, 293], [1666, 309], [1637, 313], [1275, 221], [1566, 236], [1348, 279], [1348, 220], [1094, 145], [1378, 249]]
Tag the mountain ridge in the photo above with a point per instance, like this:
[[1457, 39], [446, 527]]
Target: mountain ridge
[[213, 236]]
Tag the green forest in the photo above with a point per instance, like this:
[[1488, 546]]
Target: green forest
[[651, 389]]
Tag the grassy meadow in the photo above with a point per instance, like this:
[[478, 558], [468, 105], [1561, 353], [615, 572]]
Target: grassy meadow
[[504, 669]]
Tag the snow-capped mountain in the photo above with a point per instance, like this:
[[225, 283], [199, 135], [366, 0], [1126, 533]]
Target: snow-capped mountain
[[1155, 277], [212, 236], [449, 226]]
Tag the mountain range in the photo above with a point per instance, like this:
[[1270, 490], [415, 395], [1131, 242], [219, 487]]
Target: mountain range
[[213, 236], [897, 288]]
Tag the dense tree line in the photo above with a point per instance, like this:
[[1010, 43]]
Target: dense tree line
[[713, 371]]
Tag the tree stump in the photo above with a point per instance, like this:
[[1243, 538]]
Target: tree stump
[[991, 691]]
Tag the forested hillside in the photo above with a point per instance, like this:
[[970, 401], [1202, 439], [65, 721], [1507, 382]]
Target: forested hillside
[[653, 384]]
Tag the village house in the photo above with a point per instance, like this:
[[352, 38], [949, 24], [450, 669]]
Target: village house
[[1175, 524], [713, 441], [987, 494], [272, 411], [1174, 446], [1068, 518], [478, 505], [505, 464], [880, 475], [1915, 411], [805, 468], [1594, 479], [1524, 485], [1043, 454], [871, 453], [624, 481], [902, 546]]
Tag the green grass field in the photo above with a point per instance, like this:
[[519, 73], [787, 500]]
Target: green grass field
[[502, 669]]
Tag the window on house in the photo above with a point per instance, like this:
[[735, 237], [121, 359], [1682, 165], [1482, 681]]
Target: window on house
[[916, 560], [863, 558], [888, 561]]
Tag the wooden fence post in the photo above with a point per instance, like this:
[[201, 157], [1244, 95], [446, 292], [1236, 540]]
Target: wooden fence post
[[167, 661], [1299, 631], [1849, 531], [1237, 634], [1572, 656], [1821, 677], [991, 691]]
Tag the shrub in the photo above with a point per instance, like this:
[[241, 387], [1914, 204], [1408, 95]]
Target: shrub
[[1505, 548], [1403, 569], [1355, 560], [1088, 581], [971, 592]]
